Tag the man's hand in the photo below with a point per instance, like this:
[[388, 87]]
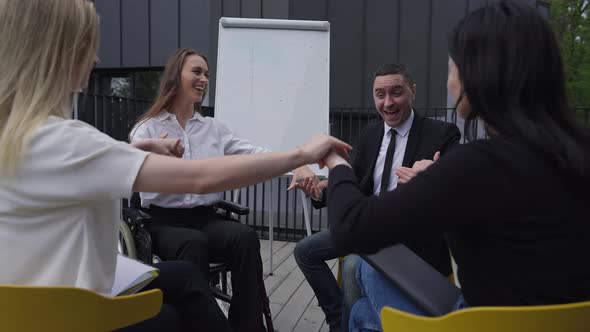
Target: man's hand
[[301, 174], [312, 187], [406, 174]]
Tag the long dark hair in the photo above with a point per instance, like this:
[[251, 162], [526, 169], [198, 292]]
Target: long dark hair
[[170, 83], [512, 74]]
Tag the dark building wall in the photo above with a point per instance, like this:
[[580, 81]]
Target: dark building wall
[[364, 34], [142, 33]]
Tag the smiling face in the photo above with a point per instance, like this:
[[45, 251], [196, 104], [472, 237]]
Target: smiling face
[[393, 98], [194, 78]]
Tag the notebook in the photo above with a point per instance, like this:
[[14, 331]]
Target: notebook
[[131, 276], [429, 289]]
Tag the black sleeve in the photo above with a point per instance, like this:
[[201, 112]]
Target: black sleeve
[[356, 165], [321, 203], [438, 199]]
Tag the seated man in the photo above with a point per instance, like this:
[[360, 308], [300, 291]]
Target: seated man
[[401, 139]]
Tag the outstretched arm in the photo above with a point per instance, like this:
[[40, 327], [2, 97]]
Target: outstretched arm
[[171, 175]]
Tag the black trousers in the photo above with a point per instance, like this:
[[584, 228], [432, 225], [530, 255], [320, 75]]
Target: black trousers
[[188, 303], [201, 236]]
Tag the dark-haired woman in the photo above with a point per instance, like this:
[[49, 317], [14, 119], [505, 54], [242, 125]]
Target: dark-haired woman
[[515, 206]]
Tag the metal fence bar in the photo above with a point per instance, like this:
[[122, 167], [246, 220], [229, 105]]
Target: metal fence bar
[[116, 116]]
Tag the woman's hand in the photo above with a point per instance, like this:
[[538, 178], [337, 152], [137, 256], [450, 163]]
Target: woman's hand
[[167, 147], [334, 159], [320, 145], [162, 145]]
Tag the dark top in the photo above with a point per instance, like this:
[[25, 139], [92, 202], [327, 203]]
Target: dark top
[[518, 229], [426, 137]]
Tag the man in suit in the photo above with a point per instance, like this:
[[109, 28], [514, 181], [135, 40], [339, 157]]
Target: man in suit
[[386, 149]]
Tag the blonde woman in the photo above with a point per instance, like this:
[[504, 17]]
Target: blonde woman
[[60, 178]]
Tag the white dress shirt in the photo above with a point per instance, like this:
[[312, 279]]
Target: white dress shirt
[[401, 140], [203, 137]]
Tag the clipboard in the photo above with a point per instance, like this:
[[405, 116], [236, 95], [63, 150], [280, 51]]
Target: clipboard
[[430, 290]]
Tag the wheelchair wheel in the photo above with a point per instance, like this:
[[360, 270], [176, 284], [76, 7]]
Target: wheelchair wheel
[[143, 245], [220, 281], [126, 242]]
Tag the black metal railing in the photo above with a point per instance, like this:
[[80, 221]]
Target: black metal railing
[[116, 116], [112, 115]]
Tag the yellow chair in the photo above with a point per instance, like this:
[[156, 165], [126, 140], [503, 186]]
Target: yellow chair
[[574, 317], [32, 308]]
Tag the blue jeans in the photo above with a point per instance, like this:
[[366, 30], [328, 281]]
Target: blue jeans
[[350, 290], [379, 292], [311, 255]]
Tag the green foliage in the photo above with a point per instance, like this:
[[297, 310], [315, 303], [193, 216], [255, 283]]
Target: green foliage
[[571, 23], [141, 85], [146, 84]]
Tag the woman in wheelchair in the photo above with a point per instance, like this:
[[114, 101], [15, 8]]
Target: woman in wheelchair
[[61, 179], [186, 226]]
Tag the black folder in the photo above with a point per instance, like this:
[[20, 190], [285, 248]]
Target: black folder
[[430, 290]]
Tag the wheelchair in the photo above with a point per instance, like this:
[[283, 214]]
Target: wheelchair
[[136, 242]]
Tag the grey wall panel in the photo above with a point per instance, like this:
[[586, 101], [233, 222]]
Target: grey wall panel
[[414, 44], [277, 9], [110, 33], [543, 8], [311, 9], [195, 31], [251, 8], [135, 33], [163, 30], [381, 38], [215, 10], [444, 19], [365, 34], [231, 8], [532, 3], [346, 53], [475, 4]]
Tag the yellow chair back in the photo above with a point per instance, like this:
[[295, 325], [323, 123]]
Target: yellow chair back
[[48, 309], [574, 317]]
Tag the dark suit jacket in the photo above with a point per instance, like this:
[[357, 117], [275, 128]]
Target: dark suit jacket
[[426, 137]]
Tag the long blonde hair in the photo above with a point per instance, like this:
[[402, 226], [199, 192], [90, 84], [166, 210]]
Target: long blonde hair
[[45, 47]]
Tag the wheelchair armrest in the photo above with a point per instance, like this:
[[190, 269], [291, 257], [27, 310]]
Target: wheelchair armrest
[[136, 216], [231, 207]]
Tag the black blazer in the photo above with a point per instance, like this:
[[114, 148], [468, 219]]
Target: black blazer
[[426, 137]]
